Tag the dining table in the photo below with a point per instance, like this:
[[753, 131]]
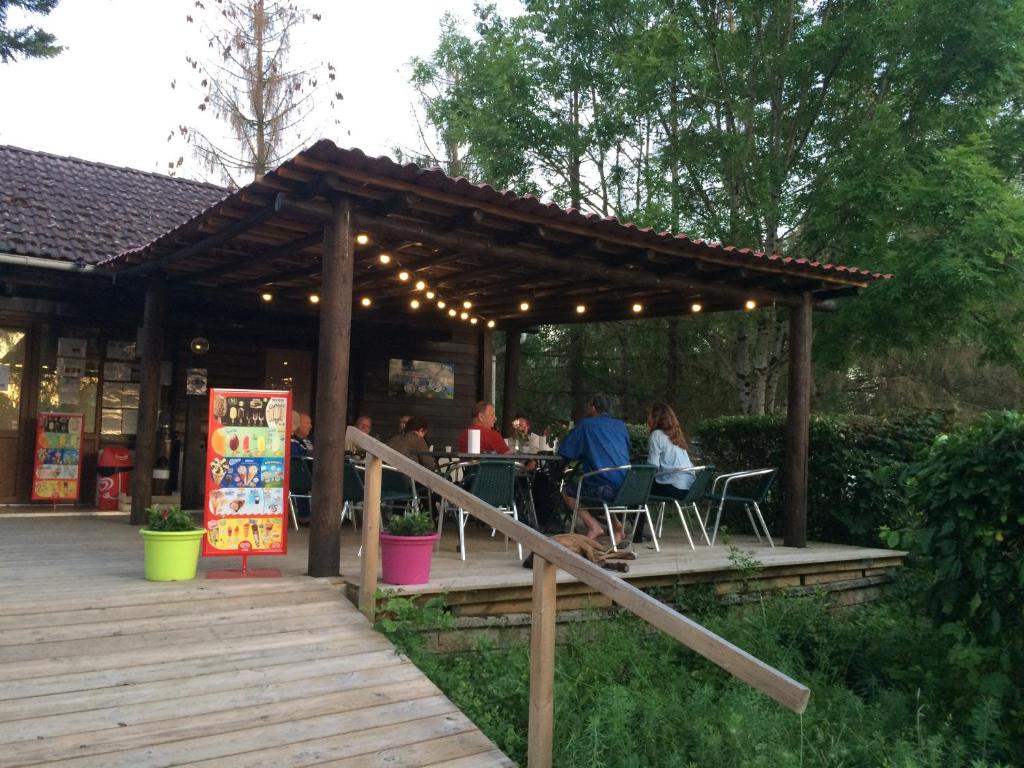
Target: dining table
[[457, 458]]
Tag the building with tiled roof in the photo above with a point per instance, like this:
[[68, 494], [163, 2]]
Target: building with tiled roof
[[75, 210]]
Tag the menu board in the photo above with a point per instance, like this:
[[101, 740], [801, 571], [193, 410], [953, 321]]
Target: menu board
[[57, 462], [246, 510]]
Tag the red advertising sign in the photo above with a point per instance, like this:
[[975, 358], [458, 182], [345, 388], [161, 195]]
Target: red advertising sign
[[246, 511], [57, 463]]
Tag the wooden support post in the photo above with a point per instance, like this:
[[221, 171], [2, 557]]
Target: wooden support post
[[542, 664], [332, 391], [485, 387], [149, 398], [371, 536], [510, 397], [798, 420]]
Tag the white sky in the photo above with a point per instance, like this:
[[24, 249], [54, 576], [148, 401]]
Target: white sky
[[108, 98]]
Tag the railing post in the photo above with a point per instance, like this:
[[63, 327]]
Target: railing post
[[371, 536], [542, 664]]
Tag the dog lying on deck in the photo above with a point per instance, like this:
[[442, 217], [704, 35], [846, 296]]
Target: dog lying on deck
[[606, 557]]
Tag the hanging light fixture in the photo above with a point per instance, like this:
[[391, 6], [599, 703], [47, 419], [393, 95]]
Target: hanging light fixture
[[581, 308], [314, 298], [467, 304], [420, 285], [366, 301], [267, 296], [463, 315], [415, 304], [473, 321], [384, 258], [638, 308], [452, 313], [362, 238], [490, 323], [403, 276], [695, 307], [430, 294], [750, 304], [524, 306], [441, 304]]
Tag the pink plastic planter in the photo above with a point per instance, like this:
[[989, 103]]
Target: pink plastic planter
[[406, 559]]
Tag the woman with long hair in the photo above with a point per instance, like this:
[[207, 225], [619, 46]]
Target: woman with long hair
[[667, 450]]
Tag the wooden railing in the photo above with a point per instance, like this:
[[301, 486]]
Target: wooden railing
[[548, 557]]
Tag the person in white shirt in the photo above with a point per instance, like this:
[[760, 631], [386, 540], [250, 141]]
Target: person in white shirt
[[667, 450]]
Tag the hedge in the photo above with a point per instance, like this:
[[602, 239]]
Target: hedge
[[856, 466]]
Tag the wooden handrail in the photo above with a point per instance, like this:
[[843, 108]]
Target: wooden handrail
[[547, 556]]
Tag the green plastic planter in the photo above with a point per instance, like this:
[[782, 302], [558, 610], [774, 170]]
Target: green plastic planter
[[172, 555]]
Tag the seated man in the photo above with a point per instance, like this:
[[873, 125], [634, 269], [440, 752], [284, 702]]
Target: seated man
[[363, 424], [301, 445], [491, 440], [412, 443], [600, 441]]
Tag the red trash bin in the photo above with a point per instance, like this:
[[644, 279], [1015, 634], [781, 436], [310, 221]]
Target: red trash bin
[[114, 470]]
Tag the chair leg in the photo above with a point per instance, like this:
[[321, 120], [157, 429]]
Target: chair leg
[[519, 547], [700, 521], [650, 525], [661, 517], [753, 525], [761, 518], [295, 517], [718, 519], [575, 509], [462, 533], [440, 525], [611, 530], [686, 528]]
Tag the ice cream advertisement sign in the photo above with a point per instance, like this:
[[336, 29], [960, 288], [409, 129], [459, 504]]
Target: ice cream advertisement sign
[[246, 510]]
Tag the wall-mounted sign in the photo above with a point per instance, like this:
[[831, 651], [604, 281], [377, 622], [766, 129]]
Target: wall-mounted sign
[[246, 510], [421, 378], [57, 462]]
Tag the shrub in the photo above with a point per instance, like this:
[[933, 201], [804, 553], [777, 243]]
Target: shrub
[[969, 490], [855, 473], [413, 524]]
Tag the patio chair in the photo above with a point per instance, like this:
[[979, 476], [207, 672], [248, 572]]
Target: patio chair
[[631, 499], [351, 493], [300, 485], [702, 477], [493, 482], [396, 488], [754, 497]]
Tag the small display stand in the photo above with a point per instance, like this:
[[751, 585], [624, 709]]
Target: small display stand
[[246, 504]]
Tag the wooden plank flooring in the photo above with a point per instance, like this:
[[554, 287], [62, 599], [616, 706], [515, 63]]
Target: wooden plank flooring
[[101, 668]]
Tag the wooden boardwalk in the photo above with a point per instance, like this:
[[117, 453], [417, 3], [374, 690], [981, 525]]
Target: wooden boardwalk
[[101, 668]]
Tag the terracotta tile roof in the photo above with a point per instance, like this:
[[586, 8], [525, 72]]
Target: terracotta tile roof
[[74, 210]]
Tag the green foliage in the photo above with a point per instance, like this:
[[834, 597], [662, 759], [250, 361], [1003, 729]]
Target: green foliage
[[412, 524], [889, 689], [855, 484], [29, 42], [172, 518], [968, 489], [404, 621]]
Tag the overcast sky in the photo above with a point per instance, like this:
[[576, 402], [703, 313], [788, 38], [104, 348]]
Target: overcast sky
[[108, 97]]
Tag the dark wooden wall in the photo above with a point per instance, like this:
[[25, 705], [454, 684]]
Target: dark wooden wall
[[375, 346]]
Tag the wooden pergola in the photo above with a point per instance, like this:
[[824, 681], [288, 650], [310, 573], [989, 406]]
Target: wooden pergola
[[336, 232]]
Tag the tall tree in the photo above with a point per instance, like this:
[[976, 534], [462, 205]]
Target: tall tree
[[249, 81], [828, 129], [28, 42]]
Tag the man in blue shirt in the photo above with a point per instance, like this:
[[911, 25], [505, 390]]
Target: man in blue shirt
[[600, 441]]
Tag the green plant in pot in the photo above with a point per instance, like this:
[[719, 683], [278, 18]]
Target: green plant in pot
[[172, 543], [406, 548]]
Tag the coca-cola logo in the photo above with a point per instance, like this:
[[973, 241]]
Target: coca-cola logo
[[106, 486]]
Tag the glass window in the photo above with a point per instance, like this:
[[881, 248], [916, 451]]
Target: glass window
[[12, 362], [69, 375]]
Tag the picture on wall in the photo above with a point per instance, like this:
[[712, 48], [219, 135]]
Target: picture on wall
[[421, 378]]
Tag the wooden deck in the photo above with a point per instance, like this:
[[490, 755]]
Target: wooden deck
[[101, 668], [492, 582]]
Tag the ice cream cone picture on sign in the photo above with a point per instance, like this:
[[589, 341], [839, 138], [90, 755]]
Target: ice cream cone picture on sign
[[247, 473]]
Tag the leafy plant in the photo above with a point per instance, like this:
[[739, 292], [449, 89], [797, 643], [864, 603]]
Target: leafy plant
[[404, 620], [171, 518], [969, 493], [412, 524]]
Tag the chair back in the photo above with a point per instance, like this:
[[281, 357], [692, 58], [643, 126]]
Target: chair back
[[636, 487], [701, 481], [300, 477], [352, 483], [763, 486], [495, 483], [395, 484]]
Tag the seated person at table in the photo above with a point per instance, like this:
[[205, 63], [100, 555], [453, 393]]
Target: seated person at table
[[600, 441], [412, 443], [403, 420], [491, 440], [666, 450], [363, 424], [301, 445]]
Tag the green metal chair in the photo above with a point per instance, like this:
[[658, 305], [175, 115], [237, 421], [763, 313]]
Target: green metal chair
[[300, 485], [351, 493], [493, 482], [702, 477], [754, 497], [630, 499]]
